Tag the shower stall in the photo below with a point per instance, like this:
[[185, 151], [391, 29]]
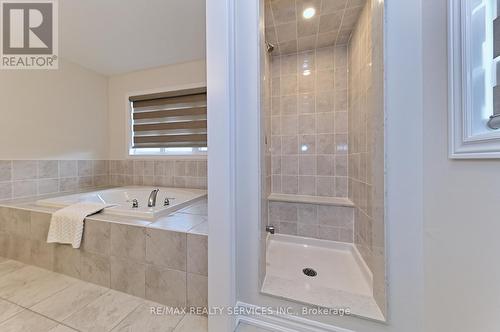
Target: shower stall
[[322, 138]]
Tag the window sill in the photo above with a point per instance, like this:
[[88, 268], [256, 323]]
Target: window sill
[[198, 156]]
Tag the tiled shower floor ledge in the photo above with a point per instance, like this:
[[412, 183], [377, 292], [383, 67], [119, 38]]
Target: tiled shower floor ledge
[[37, 300], [335, 201]]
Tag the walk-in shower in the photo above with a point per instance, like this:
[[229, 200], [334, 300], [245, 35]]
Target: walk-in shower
[[323, 154]]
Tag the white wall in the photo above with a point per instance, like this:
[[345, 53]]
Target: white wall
[[157, 79], [461, 200], [53, 114]]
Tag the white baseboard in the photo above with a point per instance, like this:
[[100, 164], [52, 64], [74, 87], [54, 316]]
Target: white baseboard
[[285, 323]]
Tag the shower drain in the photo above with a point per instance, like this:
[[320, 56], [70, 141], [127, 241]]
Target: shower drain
[[309, 272]]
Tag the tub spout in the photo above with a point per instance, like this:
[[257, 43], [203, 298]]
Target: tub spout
[[152, 198]]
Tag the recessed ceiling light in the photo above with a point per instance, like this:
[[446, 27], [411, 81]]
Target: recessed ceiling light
[[309, 12]]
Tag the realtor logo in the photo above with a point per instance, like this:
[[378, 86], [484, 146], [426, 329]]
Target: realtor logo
[[29, 34]]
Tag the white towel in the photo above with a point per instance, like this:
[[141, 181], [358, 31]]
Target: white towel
[[66, 225]]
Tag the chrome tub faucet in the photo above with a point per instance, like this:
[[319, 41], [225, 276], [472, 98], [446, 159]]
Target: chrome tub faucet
[[152, 198]]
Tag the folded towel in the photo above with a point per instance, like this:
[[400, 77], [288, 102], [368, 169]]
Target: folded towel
[[66, 225]]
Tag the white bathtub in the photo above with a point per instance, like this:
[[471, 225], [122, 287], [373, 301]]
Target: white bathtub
[[123, 197]]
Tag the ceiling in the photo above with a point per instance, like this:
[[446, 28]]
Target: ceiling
[[118, 36], [290, 32]]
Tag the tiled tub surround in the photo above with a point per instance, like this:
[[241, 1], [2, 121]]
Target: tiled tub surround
[[309, 126], [29, 178], [163, 261], [166, 173], [326, 222]]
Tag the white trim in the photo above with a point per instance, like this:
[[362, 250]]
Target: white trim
[[463, 144], [283, 323], [128, 124], [221, 161]]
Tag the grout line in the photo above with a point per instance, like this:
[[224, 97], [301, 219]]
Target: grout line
[[126, 316]]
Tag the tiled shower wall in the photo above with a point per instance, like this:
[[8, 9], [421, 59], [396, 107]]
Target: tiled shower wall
[[325, 222], [27, 178], [366, 142], [309, 122]]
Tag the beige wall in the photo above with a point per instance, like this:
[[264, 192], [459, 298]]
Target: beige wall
[[168, 77], [54, 114], [74, 113]]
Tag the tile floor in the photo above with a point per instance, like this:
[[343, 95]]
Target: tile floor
[[37, 300], [242, 327]]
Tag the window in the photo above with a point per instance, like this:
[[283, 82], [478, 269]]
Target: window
[[173, 122], [474, 97]]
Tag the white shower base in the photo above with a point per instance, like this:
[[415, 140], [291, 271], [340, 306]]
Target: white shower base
[[343, 280]]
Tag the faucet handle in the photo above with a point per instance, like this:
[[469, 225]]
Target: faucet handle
[[166, 202], [135, 204]]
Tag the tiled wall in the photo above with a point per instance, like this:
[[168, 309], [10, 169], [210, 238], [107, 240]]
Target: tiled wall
[[366, 142], [360, 131], [159, 265], [334, 223], [291, 32], [167, 173], [27, 178], [309, 122]]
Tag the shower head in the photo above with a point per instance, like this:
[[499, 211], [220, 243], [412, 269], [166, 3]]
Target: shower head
[[270, 47]]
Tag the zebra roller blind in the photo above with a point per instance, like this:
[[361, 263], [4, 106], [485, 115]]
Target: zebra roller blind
[[175, 119]]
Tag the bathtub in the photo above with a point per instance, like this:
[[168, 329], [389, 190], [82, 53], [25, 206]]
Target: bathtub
[[122, 199]]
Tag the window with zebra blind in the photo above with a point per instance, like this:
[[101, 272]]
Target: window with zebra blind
[[173, 122]]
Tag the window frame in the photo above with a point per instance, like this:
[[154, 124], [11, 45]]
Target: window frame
[[197, 154], [463, 143]]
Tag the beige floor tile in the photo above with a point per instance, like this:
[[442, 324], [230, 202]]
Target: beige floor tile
[[192, 323], [104, 313], [7, 310], [8, 266], [38, 290], [142, 319], [62, 328], [249, 328], [27, 321], [70, 300], [12, 282]]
